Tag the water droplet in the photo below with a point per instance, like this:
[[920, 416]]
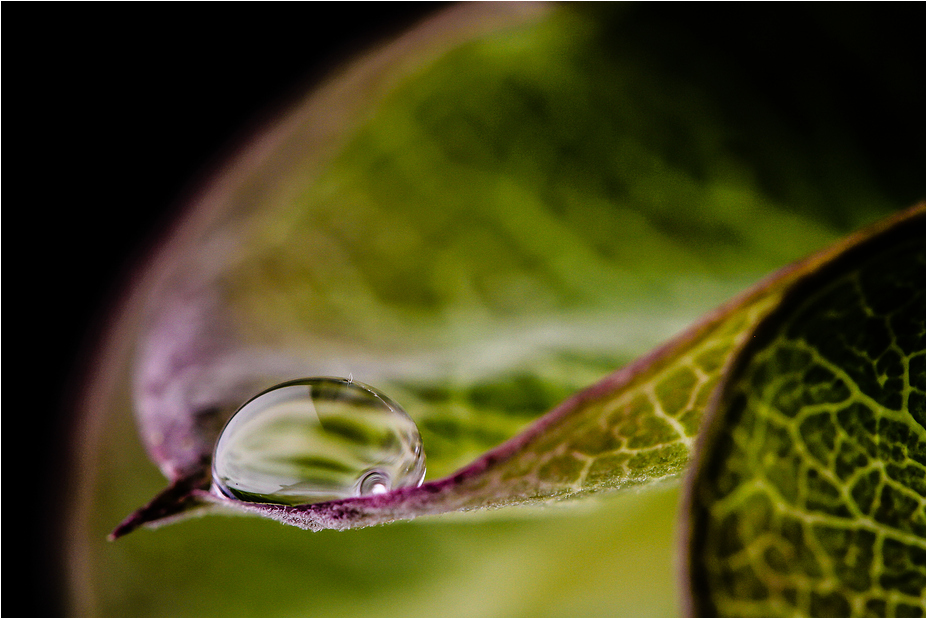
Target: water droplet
[[317, 439]]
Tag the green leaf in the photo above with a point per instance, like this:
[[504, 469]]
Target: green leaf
[[480, 223], [478, 233], [637, 426], [808, 494]]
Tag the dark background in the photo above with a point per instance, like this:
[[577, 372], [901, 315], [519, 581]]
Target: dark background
[[115, 112]]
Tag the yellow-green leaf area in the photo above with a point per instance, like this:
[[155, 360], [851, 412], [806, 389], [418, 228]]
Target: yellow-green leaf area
[[809, 499], [639, 425]]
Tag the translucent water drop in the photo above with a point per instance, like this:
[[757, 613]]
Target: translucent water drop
[[317, 439]]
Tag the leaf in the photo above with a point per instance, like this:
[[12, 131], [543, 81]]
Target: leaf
[[807, 495], [487, 233], [635, 427], [344, 265]]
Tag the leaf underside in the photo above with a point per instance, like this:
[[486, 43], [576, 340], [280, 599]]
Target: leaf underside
[[807, 496]]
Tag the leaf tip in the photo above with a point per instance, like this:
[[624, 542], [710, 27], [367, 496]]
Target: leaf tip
[[176, 501]]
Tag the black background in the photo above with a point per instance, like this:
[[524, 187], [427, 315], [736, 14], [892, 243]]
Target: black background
[[115, 112]]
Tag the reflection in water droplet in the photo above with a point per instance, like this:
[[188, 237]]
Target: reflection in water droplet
[[317, 439]]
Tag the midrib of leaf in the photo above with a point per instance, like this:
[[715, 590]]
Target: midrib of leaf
[[808, 494]]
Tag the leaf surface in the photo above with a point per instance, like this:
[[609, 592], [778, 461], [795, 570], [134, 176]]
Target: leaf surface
[[807, 497], [637, 426], [480, 247]]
